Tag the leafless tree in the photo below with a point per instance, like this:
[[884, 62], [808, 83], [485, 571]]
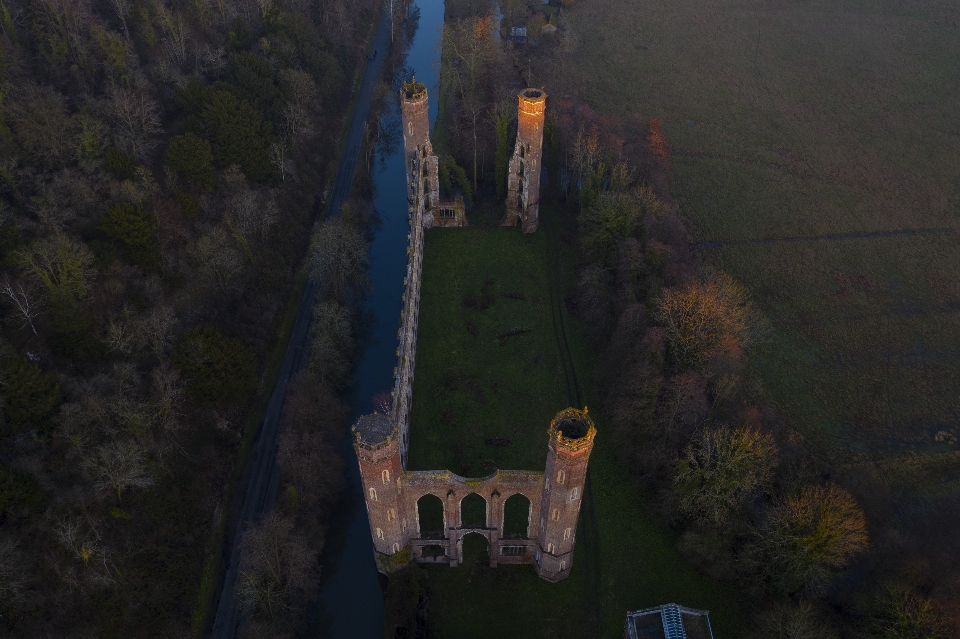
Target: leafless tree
[[26, 304], [62, 264], [338, 254], [41, 123], [136, 117], [720, 470], [793, 621], [117, 466], [278, 569], [808, 537], [217, 258], [13, 573]]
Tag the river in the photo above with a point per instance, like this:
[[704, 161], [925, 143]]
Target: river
[[351, 597]]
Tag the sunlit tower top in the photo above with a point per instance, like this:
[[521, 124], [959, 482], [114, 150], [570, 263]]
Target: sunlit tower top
[[523, 180]]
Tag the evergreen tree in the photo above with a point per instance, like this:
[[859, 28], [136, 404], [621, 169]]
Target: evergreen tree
[[216, 368], [237, 133], [133, 227], [32, 395], [191, 157]]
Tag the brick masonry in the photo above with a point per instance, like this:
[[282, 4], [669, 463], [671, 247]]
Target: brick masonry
[[523, 172], [392, 493]]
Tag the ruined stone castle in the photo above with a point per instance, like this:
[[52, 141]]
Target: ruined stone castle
[[394, 495]]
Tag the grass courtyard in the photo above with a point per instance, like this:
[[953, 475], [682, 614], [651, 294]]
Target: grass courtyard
[[816, 153], [488, 370], [473, 384]]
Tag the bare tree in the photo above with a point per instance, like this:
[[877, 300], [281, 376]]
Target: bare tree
[[41, 123], [117, 466], [720, 470], [808, 537], [793, 621], [13, 573], [62, 264], [338, 254], [26, 305], [136, 117], [217, 257], [277, 567]]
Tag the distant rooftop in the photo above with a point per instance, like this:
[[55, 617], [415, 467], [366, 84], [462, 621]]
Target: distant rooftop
[[668, 621], [374, 429]]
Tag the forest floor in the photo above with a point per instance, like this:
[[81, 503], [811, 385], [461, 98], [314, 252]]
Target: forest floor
[[472, 385], [816, 155]]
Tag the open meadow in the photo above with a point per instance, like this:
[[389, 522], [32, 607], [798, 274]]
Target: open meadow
[[816, 155]]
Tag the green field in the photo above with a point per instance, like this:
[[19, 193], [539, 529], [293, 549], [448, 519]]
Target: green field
[[474, 380], [510, 388], [816, 154]]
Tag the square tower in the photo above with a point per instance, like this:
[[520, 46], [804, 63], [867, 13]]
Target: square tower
[[523, 174]]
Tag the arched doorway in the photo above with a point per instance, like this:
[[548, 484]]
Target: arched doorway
[[516, 517], [474, 550], [473, 511], [430, 517]]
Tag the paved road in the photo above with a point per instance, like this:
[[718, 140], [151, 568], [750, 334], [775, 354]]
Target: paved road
[[264, 477]]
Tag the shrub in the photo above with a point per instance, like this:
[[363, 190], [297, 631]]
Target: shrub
[[216, 368], [191, 158], [32, 395]]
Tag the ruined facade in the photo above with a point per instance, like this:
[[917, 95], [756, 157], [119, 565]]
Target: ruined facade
[[393, 494], [523, 173], [393, 497]]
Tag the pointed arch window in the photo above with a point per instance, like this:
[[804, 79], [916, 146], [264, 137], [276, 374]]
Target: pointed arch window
[[373, 494], [550, 548], [555, 516], [392, 515], [566, 534], [379, 533], [385, 476], [561, 476]]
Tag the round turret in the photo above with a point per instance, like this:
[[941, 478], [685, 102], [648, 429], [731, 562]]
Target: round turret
[[375, 437], [572, 431]]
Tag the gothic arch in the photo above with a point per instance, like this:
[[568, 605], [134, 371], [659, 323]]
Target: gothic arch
[[431, 518], [473, 511], [517, 513]]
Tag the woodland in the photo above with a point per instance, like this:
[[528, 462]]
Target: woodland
[[161, 168]]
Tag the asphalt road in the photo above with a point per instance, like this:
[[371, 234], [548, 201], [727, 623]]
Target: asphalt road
[[264, 476]]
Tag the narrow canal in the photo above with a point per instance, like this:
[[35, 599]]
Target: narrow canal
[[351, 599]]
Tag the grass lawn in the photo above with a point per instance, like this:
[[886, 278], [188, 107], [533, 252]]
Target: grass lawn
[[471, 387], [816, 153], [485, 374]]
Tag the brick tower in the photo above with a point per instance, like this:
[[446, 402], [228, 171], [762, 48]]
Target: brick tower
[[523, 175], [377, 443], [415, 113], [571, 440]]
